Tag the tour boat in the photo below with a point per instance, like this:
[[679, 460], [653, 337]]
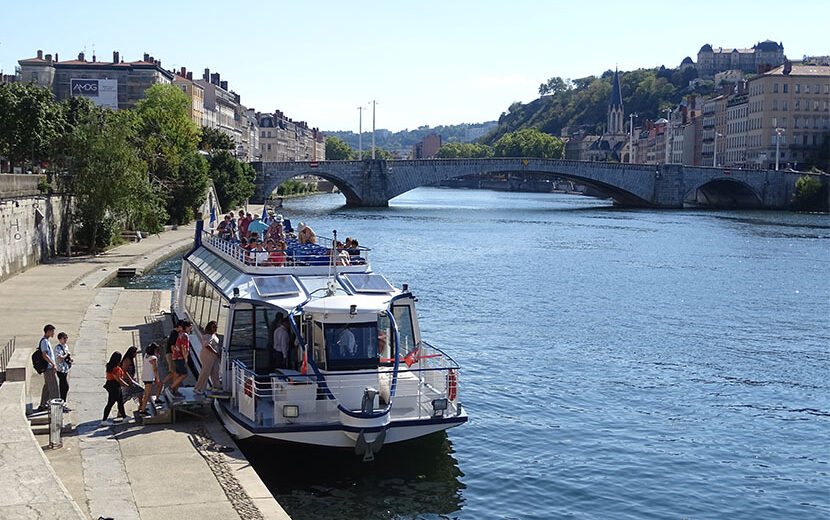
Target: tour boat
[[358, 374]]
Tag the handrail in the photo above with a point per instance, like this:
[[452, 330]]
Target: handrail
[[5, 356]]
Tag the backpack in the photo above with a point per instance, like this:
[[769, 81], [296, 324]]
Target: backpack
[[38, 362]]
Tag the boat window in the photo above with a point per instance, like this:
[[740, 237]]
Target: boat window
[[351, 346], [385, 340], [406, 337], [319, 349]]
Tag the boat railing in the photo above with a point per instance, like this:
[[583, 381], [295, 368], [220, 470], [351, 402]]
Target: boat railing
[[294, 255], [289, 397]]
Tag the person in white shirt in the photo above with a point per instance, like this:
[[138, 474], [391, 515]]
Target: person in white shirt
[[281, 341], [347, 343], [209, 357]]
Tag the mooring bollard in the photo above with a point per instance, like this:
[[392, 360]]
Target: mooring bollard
[[55, 422]]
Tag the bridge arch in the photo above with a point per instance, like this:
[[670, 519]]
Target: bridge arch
[[273, 181], [724, 192]]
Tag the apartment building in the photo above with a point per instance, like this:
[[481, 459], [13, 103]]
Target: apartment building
[[194, 92]]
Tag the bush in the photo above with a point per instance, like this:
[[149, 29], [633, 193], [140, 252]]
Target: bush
[[107, 233], [809, 194]]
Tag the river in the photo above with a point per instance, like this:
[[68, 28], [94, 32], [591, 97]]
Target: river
[[616, 363]]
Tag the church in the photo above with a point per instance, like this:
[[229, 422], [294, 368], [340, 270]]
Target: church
[[613, 144]]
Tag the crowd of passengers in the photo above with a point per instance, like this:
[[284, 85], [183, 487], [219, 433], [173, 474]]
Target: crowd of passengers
[[265, 240]]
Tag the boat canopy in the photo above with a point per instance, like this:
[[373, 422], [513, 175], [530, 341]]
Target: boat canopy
[[338, 308]]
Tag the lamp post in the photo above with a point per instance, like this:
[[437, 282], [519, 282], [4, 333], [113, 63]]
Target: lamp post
[[778, 133], [668, 136], [360, 134], [631, 117], [374, 103], [715, 149]]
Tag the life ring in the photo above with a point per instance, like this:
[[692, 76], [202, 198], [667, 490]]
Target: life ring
[[452, 385], [249, 386]]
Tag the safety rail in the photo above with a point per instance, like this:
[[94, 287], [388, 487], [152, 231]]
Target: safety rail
[[5, 356], [294, 255], [289, 397]]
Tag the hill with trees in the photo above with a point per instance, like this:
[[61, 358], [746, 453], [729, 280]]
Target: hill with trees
[[583, 102], [404, 140]]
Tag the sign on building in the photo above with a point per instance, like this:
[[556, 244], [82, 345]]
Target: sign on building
[[102, 92]]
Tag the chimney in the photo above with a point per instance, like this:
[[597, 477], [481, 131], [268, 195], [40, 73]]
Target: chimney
[[39, 54], [206, 76], [214, 78], [146, 57], [80, 56], [49, 59], [788, 67], [56, 57], [183, 72], [93, 58], [190, 76], [115, 57], [223, 84]]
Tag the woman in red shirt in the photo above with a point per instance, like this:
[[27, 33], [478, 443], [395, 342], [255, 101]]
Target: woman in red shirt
[[115, 380]]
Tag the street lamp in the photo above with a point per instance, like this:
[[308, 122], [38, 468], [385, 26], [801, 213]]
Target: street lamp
[[631, 117], [778, 133], [360, 134], [668, 136], [374, 103], [715, 149]]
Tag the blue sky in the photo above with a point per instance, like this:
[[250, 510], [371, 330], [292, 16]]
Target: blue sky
[[425, 62]]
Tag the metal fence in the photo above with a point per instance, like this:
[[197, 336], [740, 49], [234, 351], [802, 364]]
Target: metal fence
[[6, 355]]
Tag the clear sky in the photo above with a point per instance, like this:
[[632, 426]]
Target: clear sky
[[425, 62]]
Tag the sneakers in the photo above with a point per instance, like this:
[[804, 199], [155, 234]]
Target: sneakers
[[119, 419], [106, 422], [176, 393]]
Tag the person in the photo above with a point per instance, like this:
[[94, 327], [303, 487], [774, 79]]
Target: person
[[259, 256], [281, 340], [277, 255], [115, 380], [224, 229], [50, 379], [245, 219], [180, 352], [149, 376], [132, 389], [64, 364], [340, 255], [168, 353], [209, 356], [232, 222], [305, 235], [275, 231], [347, 343]]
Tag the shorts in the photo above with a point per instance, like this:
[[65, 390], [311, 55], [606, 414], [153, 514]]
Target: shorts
[[171, 367], [181, 369], [148, 382]]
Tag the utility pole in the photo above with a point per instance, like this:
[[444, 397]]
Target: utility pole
[[360, 134], [778, 132], [668, 135], [374, 103], [715, 149]]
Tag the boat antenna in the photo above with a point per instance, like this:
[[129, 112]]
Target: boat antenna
[[332, 285]]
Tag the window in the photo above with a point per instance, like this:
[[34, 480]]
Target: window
[[775, 104], [351, 346], [784, 105], [798, 88], [786, 89], [269, 147], [775, 88], [807, 88]]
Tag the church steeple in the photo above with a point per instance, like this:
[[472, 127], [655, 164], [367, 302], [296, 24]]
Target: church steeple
[[615, 107]]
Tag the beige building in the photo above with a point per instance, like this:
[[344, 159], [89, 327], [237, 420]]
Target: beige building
[[790, 107], [195, 93], [737, 122], [282, 139], [714, 131]]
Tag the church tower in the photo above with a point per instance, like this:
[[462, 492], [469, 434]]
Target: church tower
[[615, 108]]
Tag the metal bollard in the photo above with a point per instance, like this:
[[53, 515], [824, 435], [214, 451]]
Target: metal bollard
[[55, 422]]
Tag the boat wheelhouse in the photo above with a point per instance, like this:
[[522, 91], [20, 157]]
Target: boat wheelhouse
[[357, 374]]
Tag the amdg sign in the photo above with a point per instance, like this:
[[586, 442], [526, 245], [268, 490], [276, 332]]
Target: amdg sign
[[84, 87]]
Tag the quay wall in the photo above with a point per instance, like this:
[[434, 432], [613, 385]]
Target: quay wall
[[33, 227]]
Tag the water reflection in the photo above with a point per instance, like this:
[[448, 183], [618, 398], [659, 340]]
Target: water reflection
[[413, 479]]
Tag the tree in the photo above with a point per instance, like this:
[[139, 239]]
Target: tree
[[168, 140], [380, 153], [338, 150], [234, 181], [30, 122], [109, 179], [809, 194], [464, 150], [530, 143], [215, 139], [554, 86]]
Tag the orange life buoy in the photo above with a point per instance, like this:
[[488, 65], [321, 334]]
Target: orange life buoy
[[452, 385], [249, 387]]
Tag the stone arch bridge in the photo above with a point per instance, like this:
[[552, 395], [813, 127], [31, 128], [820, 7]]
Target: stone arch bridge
[[374, 182]]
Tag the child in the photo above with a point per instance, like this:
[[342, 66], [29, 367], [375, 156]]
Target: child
[[150, 376]]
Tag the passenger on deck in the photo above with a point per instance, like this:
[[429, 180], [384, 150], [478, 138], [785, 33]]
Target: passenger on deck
[[341, 255], [276, 255], [305, 234], [259, 256], [275, 231], [234, 228], [224, 229], [281, 341]]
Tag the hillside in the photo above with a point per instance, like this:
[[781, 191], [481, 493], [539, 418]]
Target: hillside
[[404, 140], [583, 102]]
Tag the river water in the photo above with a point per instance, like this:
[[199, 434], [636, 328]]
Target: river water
[[616, 363]]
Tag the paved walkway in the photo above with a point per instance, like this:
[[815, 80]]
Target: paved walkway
[[123, 471]]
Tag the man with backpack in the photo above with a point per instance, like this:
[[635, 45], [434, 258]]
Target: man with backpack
[[50, 379]]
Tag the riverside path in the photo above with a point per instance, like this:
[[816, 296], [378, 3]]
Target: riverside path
[[123, 471]]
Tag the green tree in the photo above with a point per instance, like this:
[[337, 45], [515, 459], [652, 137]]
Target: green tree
[[30, 122], [380, 153], [464, 150], [215, 139], [109, 179], [233, 180], [529, 143], [554, 86], [168, 140], [338, 150], [809, 194]]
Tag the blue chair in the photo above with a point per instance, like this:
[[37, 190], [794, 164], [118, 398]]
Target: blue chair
[[286, 225]]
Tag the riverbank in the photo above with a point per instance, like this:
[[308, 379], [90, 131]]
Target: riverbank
[[126, 470]]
